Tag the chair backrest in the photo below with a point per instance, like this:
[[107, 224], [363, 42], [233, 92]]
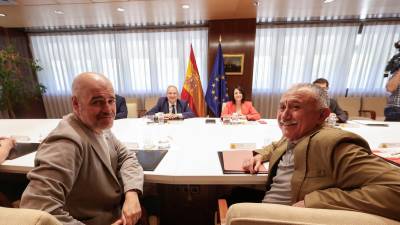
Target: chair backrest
[[150, 102], [132, 109], [13, 216], [223, 106], [352, 105], [376, 104], [131, 104]]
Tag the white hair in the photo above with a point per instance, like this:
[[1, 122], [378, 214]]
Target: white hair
[[318, 93]]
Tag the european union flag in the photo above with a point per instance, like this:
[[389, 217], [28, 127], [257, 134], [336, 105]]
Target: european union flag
[[217, 92]]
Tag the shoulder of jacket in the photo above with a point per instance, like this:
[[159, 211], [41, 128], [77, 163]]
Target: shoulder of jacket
[[68, 129], [248, 103], [183, 102], [328, 136]]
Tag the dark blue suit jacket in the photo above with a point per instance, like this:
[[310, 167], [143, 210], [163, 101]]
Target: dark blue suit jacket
[[122, 110], [335, 108], [181, 107]]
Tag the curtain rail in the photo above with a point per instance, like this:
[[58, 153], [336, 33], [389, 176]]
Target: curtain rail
[[113, 28], [337, 21]]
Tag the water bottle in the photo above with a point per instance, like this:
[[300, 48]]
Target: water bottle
[[160, 117], [331, 120], [235, 118]]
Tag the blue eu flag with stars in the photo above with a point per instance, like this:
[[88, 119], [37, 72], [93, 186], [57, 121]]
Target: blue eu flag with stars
[[217, 91]]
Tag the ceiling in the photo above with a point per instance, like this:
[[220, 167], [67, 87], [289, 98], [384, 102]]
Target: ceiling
[[83, 13]]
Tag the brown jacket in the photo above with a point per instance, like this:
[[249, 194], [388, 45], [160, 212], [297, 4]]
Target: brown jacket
[[334, 169], [73, 179]]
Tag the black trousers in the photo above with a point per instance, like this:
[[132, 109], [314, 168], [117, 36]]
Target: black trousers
[[244, 194]]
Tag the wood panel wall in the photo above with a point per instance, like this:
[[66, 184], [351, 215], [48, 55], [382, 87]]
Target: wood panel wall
[[19, 39], [238, 37]]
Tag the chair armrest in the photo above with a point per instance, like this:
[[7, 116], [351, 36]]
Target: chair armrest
[[222, 210], [371, 112]]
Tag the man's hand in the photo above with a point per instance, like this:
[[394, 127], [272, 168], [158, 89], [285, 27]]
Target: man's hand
[[253, 164], [299, 204], [6, 144], [170, 116], [118, 222], [131, 211]]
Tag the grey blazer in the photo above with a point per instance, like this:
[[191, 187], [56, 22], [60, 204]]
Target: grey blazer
[[74, 180]]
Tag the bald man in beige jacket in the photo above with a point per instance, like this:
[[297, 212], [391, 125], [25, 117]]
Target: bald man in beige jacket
[[82, 172]]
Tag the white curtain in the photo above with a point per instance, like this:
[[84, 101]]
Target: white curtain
[[285, 55], [139, 63]]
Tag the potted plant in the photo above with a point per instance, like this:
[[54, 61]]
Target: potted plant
[[17, 86]]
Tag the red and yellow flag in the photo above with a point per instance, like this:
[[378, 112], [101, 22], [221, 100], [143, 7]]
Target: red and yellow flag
[[192, 91]]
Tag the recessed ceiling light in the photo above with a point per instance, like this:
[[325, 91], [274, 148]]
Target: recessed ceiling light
[[328, 1], [59, 12], [185, 6], [120, 9], [2, 14]]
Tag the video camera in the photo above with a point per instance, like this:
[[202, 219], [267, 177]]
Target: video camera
[[394, 63]]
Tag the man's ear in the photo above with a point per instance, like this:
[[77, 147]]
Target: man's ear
[[75, 104]]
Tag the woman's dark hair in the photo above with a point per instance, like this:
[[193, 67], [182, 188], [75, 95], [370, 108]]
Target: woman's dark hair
[[233, 95]]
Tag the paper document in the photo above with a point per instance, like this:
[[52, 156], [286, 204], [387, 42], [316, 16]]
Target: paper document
[[243, 146]]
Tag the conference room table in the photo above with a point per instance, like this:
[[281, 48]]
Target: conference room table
[[193, 145]]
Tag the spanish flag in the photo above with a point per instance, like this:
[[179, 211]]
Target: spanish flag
[[192, 91]]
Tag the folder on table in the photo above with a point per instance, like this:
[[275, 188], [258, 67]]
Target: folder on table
[[231, 161], [149, 159], [391, 155], [22, 148]]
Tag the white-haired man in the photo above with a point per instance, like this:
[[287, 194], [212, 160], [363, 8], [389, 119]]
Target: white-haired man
[[320, 167]]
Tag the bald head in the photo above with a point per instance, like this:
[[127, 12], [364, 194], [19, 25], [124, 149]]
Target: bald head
[[88, 80], [172, 94], [93, 100]]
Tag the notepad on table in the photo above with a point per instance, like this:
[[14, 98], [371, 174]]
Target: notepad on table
[[242, 146], [232, 161], [22, 148], [149, 159]]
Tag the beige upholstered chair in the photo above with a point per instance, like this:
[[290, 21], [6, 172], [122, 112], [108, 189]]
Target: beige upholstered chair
[[223, 106], [375, 105], [12, 216], [131, 104], [150, 102], [132, 109], [351, 105], [272, 214]]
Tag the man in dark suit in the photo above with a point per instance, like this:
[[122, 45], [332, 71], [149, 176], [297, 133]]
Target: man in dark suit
[[122, 111], [171, 106], [333, 105]]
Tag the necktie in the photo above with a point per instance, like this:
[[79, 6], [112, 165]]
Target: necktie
[[173, 109]]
